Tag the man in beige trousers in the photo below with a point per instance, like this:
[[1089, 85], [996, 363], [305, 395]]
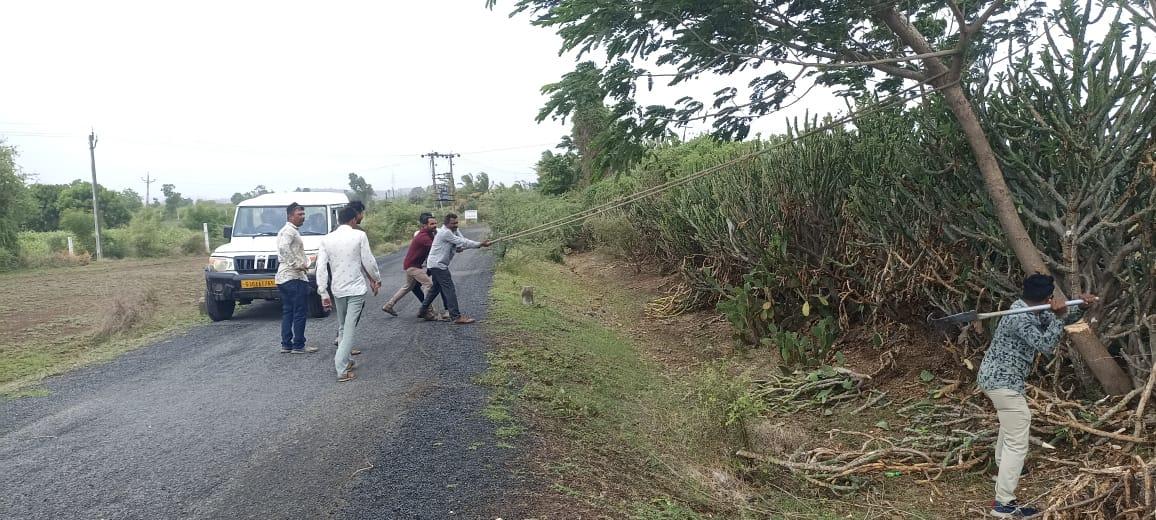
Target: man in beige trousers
[[1002, 374], [414, 263]]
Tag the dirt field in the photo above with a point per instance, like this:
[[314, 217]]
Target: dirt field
[[51, 319]]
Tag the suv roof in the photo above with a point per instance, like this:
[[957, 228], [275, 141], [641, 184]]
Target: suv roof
[[304, 198]]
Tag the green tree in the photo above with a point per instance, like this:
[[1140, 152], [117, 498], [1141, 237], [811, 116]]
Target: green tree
[[13, 200], [132, 200], [44, 214], [114, 208], [557, 173], [851, 45], [598, 134], [418, 195], [360, 189], [482, 182], [173, 200]]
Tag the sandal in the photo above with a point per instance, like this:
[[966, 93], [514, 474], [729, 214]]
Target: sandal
[[347, 376]]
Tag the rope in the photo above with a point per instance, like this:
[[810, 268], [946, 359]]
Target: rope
[[653, 190]]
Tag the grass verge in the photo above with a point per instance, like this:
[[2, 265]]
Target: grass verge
[[613, 433]]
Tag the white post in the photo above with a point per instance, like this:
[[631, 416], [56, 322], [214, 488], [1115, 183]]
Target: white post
[[205, 228], [71, 251]]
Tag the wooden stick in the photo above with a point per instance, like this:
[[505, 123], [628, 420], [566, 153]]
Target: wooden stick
[[1139, 428]]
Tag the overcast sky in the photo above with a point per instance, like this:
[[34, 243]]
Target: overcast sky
[[218, 97]]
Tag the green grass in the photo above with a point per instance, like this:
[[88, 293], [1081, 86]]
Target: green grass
[[607, 403]]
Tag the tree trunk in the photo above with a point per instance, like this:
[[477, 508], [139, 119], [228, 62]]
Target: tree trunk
[[1113, 378], [1110, 375]]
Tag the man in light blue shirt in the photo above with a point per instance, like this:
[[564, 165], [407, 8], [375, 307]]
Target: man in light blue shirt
[[447, 242]]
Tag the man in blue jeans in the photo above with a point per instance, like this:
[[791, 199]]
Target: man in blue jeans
[[293, 282]]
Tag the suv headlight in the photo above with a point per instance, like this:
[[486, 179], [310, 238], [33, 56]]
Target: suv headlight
[[220, 263]]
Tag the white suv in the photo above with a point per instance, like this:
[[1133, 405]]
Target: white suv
[[243, 269]]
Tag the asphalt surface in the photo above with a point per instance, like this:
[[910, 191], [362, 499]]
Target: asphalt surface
[[216, 423]]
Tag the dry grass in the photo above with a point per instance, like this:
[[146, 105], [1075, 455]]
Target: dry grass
[[128, 311]]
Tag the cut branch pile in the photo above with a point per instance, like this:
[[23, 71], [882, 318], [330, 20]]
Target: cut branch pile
[[1098, 454]]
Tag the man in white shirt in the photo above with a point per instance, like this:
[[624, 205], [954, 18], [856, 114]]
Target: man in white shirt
[[445, 244], [354, 272], [292, 282]]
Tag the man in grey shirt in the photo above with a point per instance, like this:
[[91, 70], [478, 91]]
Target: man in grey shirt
[[446, 243]]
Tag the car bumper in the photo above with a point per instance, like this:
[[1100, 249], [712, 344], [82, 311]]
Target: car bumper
[[227, 286]]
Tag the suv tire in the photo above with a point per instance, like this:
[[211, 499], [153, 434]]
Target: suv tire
[[219, 310]]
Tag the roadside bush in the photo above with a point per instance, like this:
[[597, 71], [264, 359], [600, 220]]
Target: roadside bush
[[392, 222], [514, 210]]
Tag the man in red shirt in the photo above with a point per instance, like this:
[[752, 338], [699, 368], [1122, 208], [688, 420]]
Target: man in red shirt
[[414, 261]]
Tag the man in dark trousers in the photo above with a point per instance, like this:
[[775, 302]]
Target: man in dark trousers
[[415, 273], [446, 243]]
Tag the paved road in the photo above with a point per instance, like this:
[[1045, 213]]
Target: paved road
[[216, 423]]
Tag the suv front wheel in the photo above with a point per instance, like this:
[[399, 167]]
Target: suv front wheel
[[219, 310]]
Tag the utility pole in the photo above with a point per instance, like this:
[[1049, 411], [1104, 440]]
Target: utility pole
[[450, 180], [148, 181], [95, 202], [433, 156]]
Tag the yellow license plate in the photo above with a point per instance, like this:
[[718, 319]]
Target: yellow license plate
[[258, 284]]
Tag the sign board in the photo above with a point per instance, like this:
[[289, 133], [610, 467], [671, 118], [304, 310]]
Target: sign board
[[471, 214]]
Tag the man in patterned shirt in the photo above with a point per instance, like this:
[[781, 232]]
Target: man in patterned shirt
[[293, 282], [1002, 374]]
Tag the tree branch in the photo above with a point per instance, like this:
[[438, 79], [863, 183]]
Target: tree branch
[[975, 26]]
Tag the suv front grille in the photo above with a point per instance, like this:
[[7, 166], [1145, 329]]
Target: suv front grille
[[251, 264]]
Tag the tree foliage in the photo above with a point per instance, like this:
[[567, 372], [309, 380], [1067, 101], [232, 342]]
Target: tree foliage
[[850, 45], [557, 172], [360, 189], [13, 199], [115, 207]]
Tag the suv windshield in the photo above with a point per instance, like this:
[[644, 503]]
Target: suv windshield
[[255, 221]]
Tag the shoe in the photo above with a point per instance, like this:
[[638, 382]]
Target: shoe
[[464, 320], [350, 366], [347, 376], [305, 350], [427, 316], [1013, 509], [388, 309], [286, 350], [1023, 473], [354, 352]]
